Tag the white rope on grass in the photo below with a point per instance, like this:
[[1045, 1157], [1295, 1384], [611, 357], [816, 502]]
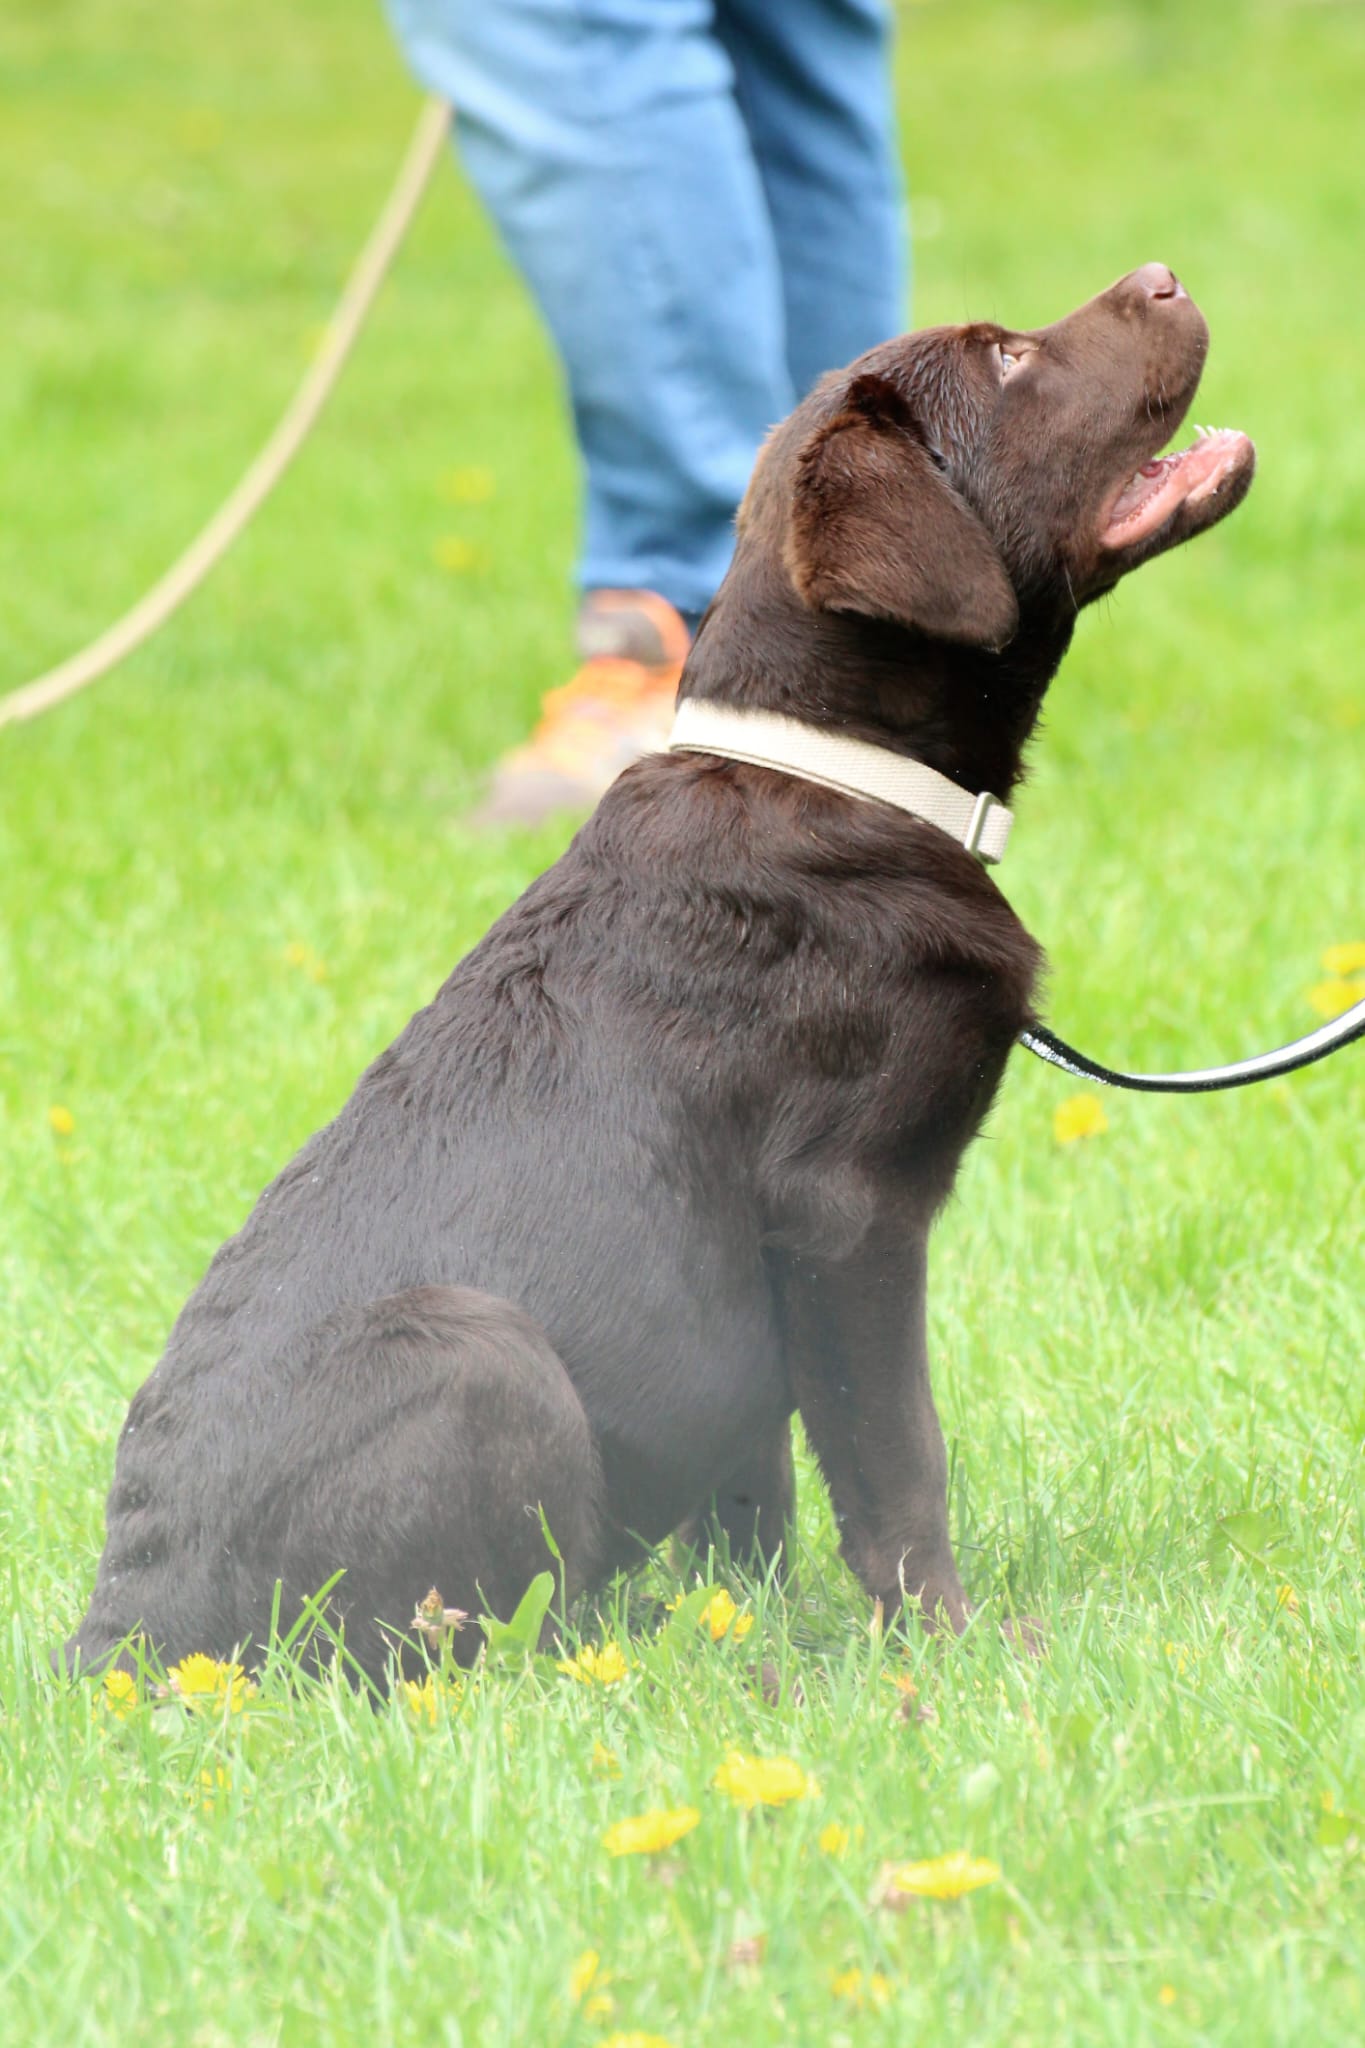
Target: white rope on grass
[[209, 546]]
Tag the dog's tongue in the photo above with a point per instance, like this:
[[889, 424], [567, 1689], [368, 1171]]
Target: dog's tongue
[[1154, 492]]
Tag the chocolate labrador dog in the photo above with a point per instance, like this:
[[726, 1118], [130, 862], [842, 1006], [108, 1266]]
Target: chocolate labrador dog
[[657, 1166]]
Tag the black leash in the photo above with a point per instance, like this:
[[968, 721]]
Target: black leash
[[1265, 1066]]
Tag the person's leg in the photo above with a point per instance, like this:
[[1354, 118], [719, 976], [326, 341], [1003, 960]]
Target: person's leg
[[605, 139], [813, 82]]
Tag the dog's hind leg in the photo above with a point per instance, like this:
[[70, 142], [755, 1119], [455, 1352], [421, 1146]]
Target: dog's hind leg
[[410, 1442]]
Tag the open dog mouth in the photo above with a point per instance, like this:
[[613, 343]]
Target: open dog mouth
[[1156, 491]]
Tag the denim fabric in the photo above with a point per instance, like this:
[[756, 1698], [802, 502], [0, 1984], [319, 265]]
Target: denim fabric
[[704, 198]]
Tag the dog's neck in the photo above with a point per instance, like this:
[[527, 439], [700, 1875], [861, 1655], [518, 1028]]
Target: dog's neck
[[960, 710]]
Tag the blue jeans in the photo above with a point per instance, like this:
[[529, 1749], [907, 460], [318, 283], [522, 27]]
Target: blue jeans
[[704, 197]]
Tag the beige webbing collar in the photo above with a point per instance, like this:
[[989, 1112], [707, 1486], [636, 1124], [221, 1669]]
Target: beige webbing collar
[[766, 739]]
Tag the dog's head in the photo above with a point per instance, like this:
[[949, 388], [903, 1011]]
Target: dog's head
[[966, 482]]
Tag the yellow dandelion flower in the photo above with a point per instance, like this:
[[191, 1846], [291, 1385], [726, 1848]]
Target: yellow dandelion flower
[[1345, 960], [941, 1877], [606, 1666], [461, 557], [1333, 998], [470, 484], [1167, 1994], [203, 1681], [208, 1787], [606, 1760], [596, 2004], [718, 1616], [1080, 1116], [721, 1617], [586, 1972], [194, 1675], [861, 1991], [61, 1120], [834, 1839], [419, 1697], [303, 957], [763, 1780], [119, 1695], [642, 1833], [424, 1698], [1286, 1597], [719, 1611], [634, 2039]]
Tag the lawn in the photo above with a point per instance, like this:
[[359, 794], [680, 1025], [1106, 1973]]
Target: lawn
[[229, 873]]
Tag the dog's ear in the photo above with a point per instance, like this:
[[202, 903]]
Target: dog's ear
[[875, 527]]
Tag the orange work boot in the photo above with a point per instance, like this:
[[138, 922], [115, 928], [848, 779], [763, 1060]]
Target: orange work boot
[[618, 706]]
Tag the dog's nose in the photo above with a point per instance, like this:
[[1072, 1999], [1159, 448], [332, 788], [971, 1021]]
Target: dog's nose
[[1158, 281]]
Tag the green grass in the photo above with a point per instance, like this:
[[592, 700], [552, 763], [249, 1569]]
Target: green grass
[[1135, 1335]]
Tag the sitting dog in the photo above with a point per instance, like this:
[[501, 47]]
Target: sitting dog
[[657, 1166]]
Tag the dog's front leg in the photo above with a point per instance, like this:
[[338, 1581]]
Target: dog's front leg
[[859, 1368]]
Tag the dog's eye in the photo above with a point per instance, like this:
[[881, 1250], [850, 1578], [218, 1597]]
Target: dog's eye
[[1007, 362]]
